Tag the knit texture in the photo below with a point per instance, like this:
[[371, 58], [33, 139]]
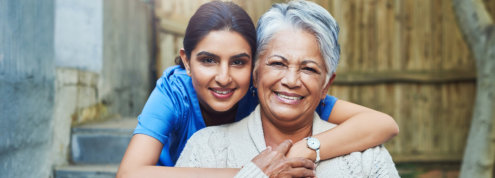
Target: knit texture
[[234, 145]]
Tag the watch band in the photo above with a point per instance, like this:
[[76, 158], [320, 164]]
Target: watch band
[[314, 144], [317, 156]]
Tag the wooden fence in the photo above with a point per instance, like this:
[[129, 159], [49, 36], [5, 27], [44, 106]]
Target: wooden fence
[[406, 58]]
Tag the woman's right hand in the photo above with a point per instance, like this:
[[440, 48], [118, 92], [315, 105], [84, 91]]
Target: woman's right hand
[[274, 163]]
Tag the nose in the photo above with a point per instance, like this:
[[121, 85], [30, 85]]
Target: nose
[[223, 77], [291, 78]]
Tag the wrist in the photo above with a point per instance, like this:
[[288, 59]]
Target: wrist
[[300, 149], [314, 144]]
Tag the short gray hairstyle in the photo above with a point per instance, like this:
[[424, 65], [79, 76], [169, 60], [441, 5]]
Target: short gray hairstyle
[[303, 15]]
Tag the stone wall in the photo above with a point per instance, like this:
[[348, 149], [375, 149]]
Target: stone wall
[[103, 51], [127, 49], [26, 87], [63, 63]]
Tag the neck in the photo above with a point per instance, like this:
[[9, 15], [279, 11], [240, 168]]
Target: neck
[[274, 135], [212, 117]]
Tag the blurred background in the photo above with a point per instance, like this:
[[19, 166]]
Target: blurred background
[[74, 75]]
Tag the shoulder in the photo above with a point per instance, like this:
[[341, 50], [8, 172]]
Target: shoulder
[[209, 133], [176, 89], [211, 138], [205, 149], [174, 76], [375, 162], [320, 125], [325, 107]]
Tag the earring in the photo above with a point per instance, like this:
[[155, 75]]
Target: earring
[[253, 90]]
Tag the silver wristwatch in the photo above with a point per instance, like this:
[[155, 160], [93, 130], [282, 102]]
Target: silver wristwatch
[[314, 144]]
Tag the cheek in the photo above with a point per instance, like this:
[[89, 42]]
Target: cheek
[[317, 89], [201, 75]]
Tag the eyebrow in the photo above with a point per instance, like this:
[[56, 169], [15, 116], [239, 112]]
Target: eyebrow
[[303, 62], [241, 55], [310, 61], [204, 53], [279, 56]]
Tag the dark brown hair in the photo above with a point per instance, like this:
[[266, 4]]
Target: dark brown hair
[[217, 15]]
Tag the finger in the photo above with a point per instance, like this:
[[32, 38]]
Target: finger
[[284, 147], [298, 172], [268, 149], [301, 162], [263, 159]]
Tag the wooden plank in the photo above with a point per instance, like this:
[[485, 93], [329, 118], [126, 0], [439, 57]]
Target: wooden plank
[[169, 26], [360, 78], [433, 118], [400, 158]]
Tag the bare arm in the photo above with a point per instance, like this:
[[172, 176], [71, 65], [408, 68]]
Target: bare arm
[[359, 128], [142, 155]]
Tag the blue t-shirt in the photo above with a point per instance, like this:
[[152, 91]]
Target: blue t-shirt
[[172, 114]]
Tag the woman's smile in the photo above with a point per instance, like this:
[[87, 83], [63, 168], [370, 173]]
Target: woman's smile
[[222, 93], [288, 98]]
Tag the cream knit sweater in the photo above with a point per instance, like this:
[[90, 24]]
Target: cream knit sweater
[[234, 145]]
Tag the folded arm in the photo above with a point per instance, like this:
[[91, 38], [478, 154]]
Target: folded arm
[[142, 155], [359, 128]]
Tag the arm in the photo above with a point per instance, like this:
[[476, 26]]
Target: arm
[[142, 154], [359, 128]]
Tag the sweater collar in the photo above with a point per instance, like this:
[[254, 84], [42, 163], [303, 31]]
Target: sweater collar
[[256, 133]]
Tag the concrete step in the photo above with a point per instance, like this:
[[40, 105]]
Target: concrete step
[[101, 143], [86, 171]]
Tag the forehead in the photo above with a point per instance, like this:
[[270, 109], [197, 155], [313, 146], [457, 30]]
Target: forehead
[[223, 41], [295, 45]]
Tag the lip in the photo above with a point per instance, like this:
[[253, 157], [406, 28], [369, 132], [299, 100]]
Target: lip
[[288, 98], [222, 93]]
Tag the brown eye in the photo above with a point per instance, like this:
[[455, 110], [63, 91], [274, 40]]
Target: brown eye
[[238, 62], [310, 69], [208, 60], [279, 64]]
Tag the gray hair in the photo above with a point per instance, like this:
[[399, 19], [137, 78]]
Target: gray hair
[[303, 15]]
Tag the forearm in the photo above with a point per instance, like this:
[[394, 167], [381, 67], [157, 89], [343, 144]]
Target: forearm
[[161, 171], [362, 131], [142, 155]]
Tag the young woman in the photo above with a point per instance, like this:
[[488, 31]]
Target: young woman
[[212, 87]]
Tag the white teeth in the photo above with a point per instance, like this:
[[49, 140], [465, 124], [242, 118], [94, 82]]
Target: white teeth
[[289, 97], [222, 92]]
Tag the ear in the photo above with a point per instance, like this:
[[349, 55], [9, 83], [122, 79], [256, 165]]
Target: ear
[[255, 75], [327, 86], [185, 60]]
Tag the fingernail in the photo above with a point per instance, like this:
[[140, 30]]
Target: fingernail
[[269, 148]]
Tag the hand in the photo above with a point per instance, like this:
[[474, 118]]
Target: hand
[[274, 163], [300, 149]]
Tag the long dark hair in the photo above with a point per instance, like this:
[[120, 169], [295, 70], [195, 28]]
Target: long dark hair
[[217, 15]]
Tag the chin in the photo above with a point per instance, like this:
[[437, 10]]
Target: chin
[[222, 108], [286, 115]]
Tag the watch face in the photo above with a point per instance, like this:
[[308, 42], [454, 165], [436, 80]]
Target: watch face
[[313, 143]]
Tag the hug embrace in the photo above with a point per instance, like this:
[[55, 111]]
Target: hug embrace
[[263, 91]]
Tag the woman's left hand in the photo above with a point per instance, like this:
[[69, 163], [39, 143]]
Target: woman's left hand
[[274, 163]]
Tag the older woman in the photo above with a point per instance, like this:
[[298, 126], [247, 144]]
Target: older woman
[[297, 56]]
